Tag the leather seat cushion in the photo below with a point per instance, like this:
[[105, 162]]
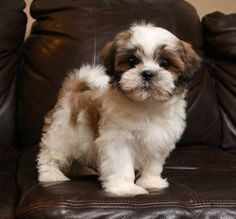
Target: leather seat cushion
[[202, 185]]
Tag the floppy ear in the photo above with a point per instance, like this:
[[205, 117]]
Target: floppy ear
[[107, 55], [191, 60]]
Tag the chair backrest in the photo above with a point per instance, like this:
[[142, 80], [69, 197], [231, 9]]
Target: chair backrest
[[68, 33]]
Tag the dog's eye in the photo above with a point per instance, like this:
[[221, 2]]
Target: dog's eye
[[133, 60], [165, 64]]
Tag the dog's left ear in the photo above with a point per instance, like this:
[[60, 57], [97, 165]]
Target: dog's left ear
[[191, 60], [107, 55]]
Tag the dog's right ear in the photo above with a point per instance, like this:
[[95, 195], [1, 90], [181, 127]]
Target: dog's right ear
[[107, 55], [191, 60]]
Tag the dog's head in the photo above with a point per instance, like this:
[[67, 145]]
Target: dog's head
[[149, 62]]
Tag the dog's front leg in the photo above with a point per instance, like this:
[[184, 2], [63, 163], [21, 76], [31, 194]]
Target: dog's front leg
[[116, 163], [152, 166], [150, 178]]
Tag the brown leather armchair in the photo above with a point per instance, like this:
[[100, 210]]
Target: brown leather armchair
[[67, 33]]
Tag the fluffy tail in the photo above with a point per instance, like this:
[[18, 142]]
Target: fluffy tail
[[88, 77]]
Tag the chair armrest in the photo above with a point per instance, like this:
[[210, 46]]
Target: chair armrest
[[219, 33], [12, 30]]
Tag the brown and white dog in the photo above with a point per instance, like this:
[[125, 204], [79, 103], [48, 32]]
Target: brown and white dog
[[123, 117]]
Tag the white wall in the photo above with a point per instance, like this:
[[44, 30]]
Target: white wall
[[30, 19], [207, 6], [203, 7]]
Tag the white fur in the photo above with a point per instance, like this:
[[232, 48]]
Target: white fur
[[93, 75], [149, 36], [133, 135]]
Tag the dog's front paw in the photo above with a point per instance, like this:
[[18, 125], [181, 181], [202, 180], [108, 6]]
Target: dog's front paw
[[126, 189], [52, 175], [152, 182]]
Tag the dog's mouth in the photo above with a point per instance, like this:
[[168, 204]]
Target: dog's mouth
[[155, 91], [147, 91], [146, 86]]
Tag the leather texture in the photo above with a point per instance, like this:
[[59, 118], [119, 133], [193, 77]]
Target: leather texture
[[69, 33], [202, 185], [12, 30], [220, 41]]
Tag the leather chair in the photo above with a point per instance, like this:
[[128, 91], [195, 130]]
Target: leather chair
[[67, 33]]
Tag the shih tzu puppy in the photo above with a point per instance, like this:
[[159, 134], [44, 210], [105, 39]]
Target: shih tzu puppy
[[125, 116]]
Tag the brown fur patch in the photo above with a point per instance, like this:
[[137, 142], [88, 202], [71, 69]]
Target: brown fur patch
[[82, 98], [113, 49], [123, 38], [173, 57], [85, 101], [107, 55], [121, 62], [190, 58], [79, 97], [71, 85], [191, 62]]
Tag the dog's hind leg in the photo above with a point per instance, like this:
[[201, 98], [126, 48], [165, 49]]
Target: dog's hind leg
[[49, 168]]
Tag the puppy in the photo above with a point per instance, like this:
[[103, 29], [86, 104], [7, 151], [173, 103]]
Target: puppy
[[125, 116]]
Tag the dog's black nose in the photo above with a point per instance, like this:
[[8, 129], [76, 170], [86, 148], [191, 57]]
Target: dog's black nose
[[147, 75]]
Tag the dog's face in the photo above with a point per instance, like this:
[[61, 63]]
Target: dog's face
[[149, 62]]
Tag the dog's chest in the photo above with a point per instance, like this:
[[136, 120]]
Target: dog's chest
[[159, 129], [162, 125], [155, 132]]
